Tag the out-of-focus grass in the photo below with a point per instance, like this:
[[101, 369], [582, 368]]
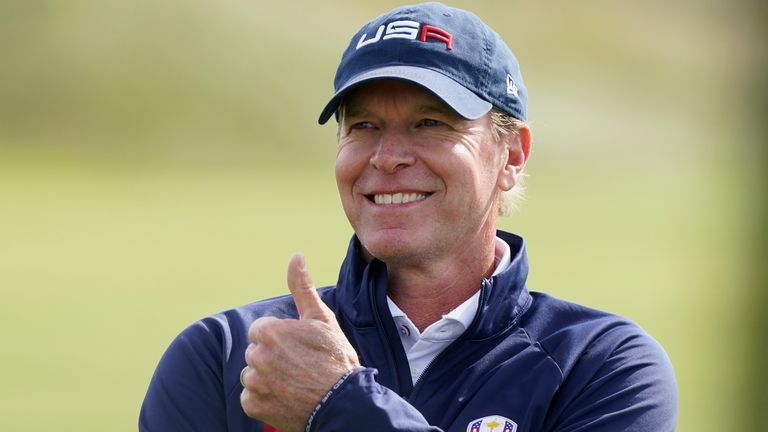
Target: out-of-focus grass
[[101, 266], [159, 162]]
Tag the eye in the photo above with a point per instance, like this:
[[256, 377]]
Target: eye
[[430, 122], [362, 125]]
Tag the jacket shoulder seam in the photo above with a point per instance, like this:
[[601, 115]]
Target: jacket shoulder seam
[[541, 348]]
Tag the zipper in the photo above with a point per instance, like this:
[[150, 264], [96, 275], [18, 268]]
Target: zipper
[[417, 386], [383, 335]]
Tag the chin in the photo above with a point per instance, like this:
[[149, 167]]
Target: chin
[[391, 250]]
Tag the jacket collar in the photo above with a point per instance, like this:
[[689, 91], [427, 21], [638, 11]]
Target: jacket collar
[[361, 292]]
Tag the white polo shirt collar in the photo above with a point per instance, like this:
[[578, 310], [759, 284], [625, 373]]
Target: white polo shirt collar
[[422, 348]]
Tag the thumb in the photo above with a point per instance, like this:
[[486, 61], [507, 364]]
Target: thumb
[[303, 291]]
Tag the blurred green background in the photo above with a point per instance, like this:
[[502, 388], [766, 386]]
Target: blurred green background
[[160, 161]]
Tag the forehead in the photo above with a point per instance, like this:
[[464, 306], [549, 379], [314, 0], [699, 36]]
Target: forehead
[[393, 93]]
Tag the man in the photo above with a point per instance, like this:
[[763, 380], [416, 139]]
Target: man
[[430, 326]]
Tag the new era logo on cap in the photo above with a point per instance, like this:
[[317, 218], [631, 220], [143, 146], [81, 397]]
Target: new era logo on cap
[[511, 86]]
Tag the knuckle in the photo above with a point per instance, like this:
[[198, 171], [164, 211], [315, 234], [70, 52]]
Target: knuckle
[[254, 384], [306, 284], [250, 404], [256, 357], [250, 353], [246, 379], [262, 329]]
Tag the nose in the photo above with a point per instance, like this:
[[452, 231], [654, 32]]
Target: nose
[[393, 153]]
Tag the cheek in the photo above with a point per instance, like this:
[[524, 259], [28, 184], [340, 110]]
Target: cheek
[[473, 171], [351, 163], [346, 167], [465, 166], [349, 168]]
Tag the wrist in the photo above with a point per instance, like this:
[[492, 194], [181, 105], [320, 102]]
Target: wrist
[[329, 395]]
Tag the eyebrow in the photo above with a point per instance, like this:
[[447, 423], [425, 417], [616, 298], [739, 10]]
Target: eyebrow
[[352, 110]]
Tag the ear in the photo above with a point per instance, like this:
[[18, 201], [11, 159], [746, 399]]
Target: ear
[[517, 149]]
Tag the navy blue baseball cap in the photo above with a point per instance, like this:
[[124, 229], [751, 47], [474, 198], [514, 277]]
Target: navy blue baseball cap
[[450, 52]]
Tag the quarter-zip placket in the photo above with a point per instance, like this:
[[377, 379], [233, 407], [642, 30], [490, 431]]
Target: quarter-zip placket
[[388, 349], [461, 338]]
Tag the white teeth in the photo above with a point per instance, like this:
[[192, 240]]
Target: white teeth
[[398, 198], [414, 197]]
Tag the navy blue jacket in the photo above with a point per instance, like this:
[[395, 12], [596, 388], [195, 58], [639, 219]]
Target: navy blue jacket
[[546, 364]]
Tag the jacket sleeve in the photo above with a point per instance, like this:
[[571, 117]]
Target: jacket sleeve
[[623, 382], [360, 403], [185, 392]]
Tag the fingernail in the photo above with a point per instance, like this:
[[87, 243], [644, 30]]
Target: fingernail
[[302, 264]]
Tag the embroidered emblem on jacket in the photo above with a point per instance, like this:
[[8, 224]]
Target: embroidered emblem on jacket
[[493, 423]]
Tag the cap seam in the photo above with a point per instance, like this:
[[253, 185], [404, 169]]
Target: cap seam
[[487, 65]]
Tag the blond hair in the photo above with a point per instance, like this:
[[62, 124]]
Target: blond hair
[[502, 125]]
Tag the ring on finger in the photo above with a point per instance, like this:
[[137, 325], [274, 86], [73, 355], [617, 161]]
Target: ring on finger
[[242, 376]]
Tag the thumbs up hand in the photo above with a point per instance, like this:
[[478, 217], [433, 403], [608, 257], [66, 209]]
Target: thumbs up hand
[[303, 292], [293, 363]]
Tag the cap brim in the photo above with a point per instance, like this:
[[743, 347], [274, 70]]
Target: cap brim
[[466, 103]]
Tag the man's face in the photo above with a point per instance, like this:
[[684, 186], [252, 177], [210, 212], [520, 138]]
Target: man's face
[[417, 182]]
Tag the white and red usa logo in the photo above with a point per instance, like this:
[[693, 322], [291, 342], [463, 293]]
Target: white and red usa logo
[[406, 30], [493, 423]]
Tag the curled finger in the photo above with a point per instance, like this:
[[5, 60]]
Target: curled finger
[[249, 354], [259, 329]]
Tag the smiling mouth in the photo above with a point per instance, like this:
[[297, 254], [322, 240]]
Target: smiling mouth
[[397, 198]]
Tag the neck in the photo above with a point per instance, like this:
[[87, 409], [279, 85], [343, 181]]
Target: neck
[[427, 291]]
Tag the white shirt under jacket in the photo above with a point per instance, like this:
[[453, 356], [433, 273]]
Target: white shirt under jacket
[[422, 348]]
